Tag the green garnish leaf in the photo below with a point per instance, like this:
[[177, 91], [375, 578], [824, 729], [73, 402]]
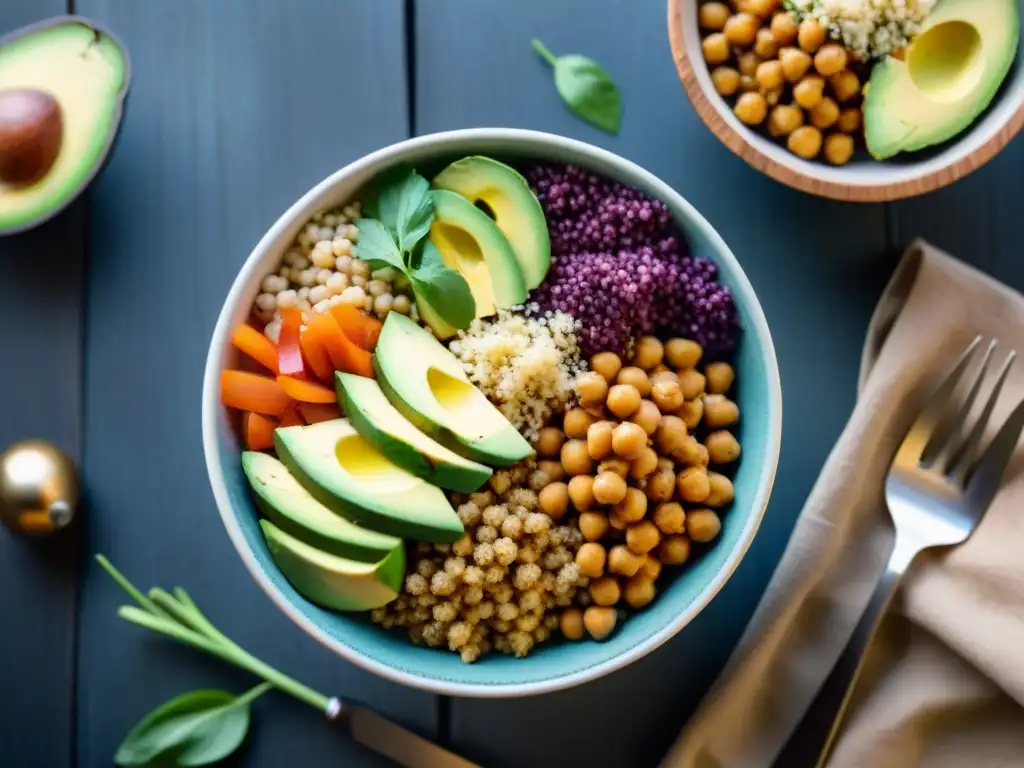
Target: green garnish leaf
[[415, 211], [377, 245], [444, 289], [195, 728], [586, 88]]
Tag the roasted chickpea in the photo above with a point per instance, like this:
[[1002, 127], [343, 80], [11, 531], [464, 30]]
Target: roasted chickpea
[[809, 92], [599, 621], [593, 525], [623, 562], [747, 63], [762, 8], [605, 591], [670, 518], [691, 413], [741, 29], [715, 48], [688, 452], [554, 500], [659, 368], [693, 485], [810, 35], [629, 440], [670, 434], [720, 411], [571, 623], [692, 382], [618, 466], [607, 364], [576, 422], [635, 377], [661, 376], [661, 485], [633, 507], [591, 388], [713, 16], [784, 119], [649, 353], [772, 97], [609, 488], [674, 550], [825, 114], [667, 395], [647, 416], [581, 492], [683, 353], [830, 59], [721, 490], [765, 44], [839, 148], [751, 108], [623, 400], [553, 469], [616, 522], [549, 441], [651, 567], [722, 447], [642, 537], [784, 28], [849, 120], [805, 141], [769, 74], [748, 84], [639, 591], [726, 81], [795, 63], [591, 558], [719, 377], [644, 464], [575, 459], [703, 458], [845, 85], [702, 524], [599, 439]]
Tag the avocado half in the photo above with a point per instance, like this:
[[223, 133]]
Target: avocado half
[[63, 84]]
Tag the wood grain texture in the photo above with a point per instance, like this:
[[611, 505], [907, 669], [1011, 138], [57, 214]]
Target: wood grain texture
[[41, 342], [236, 109], [818, 267], [686, 61]]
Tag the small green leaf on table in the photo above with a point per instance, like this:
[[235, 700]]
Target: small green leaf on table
[[586, 88], [444, 289]]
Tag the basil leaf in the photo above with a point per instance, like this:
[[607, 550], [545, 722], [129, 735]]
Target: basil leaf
[[444, 289], [586, 88], [377, 245], [414, 215], [382, 202], [195, 728]]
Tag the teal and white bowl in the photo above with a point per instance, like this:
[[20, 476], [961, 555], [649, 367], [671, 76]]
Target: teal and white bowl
[[556, 664]]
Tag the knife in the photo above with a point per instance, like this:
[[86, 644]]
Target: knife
[[386, 738]]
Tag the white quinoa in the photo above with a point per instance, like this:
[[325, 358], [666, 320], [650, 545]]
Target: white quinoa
[[869, 28]]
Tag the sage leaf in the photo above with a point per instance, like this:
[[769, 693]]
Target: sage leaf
[[377, 245], [444, 289], [195, 728], [586, 88]]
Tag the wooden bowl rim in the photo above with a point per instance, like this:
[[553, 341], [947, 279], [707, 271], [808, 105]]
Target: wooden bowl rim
[[868, 193]]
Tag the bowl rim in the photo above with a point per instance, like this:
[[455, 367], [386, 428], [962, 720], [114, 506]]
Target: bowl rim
[[880, 192], [211, 412]]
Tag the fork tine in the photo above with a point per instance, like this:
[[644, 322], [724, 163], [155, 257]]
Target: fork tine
[[986, 478], [963, 459]]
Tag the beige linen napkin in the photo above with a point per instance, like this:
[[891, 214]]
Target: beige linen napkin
[[945, 683]]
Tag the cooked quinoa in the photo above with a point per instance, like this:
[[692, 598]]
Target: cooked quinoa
[[869, 28]]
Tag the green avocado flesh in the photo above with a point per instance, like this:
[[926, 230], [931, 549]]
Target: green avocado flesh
[[85, 72], [949, 75], [516, 211], [290, 506], [332, 581], [387, 430], [427, 385], [346, 474]]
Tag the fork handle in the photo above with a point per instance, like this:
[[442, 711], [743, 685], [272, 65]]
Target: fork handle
[[817, 731]]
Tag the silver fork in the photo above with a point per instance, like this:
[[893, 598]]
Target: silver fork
[[937, 491]]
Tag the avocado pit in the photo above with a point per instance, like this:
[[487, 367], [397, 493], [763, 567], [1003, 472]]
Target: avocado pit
[[31, 133]]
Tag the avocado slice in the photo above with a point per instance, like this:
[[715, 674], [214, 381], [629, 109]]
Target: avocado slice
[[950, 73], [387, 430], [515, 209], [62, 88], [290, 506], [425, 382], [346, 474], [332, 581]]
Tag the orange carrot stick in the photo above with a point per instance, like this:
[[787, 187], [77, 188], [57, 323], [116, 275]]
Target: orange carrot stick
[[258, 431], [255, 345], [306, 391], [292, 417], [289, 351], [344, 354], [359, 327], [317, 357], [253, 392], [313, 413]]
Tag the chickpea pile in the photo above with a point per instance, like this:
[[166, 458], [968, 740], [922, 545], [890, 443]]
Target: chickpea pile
[[636, 473], [786, 76]]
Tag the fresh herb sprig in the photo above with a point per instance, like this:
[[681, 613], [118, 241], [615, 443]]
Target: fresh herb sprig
[[199, 727], [394, 234], [586, 88]]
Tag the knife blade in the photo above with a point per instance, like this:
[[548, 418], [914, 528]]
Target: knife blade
[[400, 745]]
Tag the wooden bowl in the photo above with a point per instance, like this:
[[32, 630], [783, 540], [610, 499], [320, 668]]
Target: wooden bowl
[[863, 179]]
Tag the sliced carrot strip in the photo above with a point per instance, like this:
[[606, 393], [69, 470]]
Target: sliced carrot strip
[[253, 392], [255, 345], [306, 391], [317, 357], [359, 327], [258, 431], [345, 355], [292, 417], [313, 413], [289, 351]]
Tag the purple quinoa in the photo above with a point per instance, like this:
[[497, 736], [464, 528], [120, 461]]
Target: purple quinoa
[[619, 266]]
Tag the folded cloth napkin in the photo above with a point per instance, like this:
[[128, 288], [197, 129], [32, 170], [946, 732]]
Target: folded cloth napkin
[[944, 682]]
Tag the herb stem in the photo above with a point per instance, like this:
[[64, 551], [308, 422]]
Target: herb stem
[[542, 49], [128, 587]]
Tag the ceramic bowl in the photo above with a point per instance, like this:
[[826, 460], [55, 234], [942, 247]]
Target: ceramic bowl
[[557, 664], [862, 179]]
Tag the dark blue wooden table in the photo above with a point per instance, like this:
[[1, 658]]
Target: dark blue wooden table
[[105, 313]]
